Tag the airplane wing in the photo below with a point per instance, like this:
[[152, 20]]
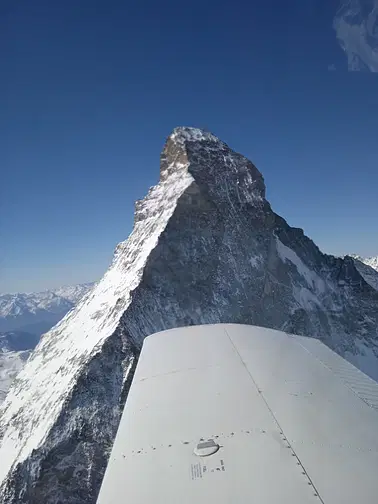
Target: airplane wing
[[240, 414]]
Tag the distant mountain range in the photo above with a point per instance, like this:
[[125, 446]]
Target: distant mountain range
[[37, 312], [23, 318]]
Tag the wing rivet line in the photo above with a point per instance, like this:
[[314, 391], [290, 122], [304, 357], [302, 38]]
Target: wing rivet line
[[288, 445]]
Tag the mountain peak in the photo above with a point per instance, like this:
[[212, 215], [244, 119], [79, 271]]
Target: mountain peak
[[206, 248], [189, 134], [226, 175]]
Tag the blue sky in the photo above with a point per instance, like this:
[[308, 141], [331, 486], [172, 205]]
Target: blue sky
[[91, 89]]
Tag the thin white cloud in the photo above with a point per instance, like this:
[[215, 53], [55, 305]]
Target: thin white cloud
[[356, 26]]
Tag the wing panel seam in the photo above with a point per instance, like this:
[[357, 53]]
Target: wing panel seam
[[281, 431]]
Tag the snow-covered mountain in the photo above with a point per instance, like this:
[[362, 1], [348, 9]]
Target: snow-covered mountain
[[368, 268], [369, 261], [206, 248], [37, 312]]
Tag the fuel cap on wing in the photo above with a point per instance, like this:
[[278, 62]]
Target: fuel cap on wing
[[206, 448]]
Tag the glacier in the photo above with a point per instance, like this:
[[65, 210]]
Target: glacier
[[206, 247]]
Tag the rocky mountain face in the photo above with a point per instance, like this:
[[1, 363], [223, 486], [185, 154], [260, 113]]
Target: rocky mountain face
[[206, 248], [37, 312]]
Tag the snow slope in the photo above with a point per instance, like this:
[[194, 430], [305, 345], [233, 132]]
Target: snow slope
[[81, 334], [206, 247]]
